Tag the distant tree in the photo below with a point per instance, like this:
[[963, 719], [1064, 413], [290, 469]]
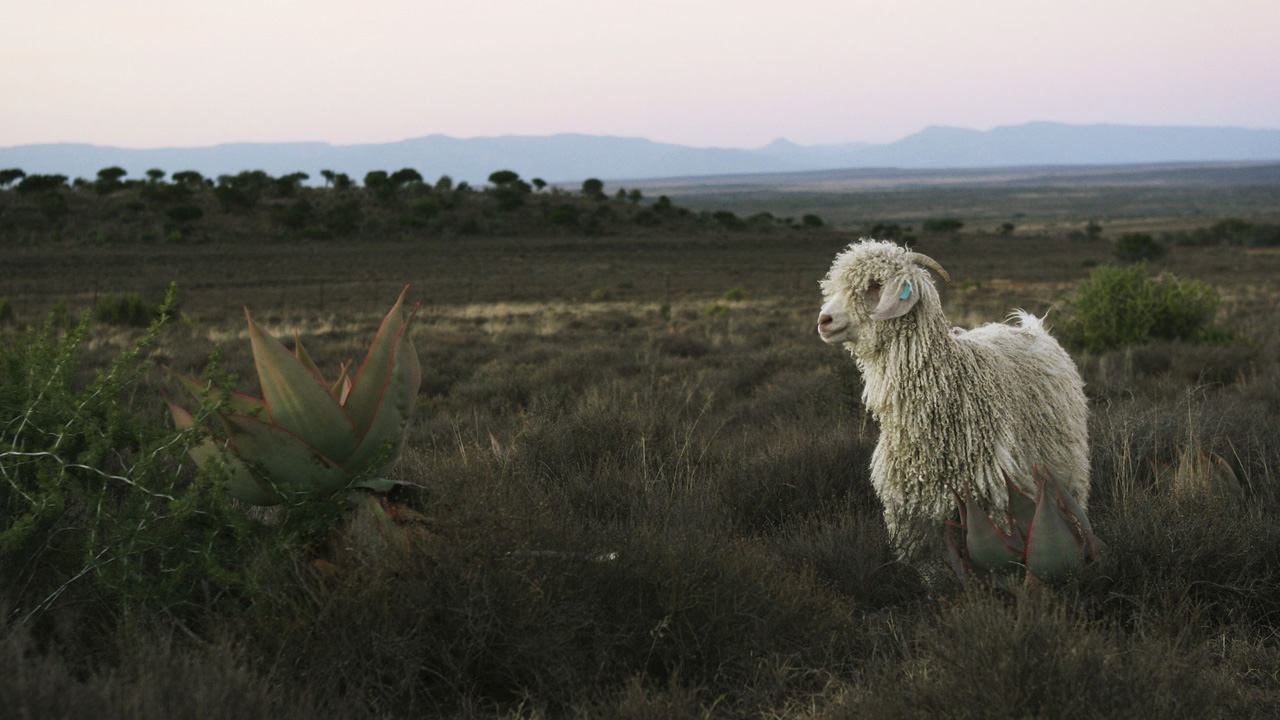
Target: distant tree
[[811, 221], [635, 196], [509, 193], [1138, 247], [190, 178], [463, 187], [112, 174], [342, 181], [728, 220], [662, 205], [287, 185], [328, 176], [155, 175], [375, 179], [593, 188], [503, 177], [10, 175], [1007, 228], [1093, 230], [241, 190], [404, 176], [621, 194], [42, 183], [539, 183], [444, 184], [109, 179], [941, 225]]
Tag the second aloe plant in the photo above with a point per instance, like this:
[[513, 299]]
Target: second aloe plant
[[1047, 538]]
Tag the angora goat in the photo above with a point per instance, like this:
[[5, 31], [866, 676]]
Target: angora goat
[[954, 406]]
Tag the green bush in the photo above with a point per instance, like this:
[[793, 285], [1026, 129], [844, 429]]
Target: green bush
[[128, 309], [942, 225], [184, 213], [1138, 247], [94, 510], [7, 316], [1121, 306]]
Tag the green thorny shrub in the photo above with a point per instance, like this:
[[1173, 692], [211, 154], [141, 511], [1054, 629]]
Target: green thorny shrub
[[1121, 306], [128, 309], [95, 509]]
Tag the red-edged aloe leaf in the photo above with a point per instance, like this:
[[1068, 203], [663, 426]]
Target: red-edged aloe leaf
[[1224, 478], [240, 404], [182, 419], [1021, 509], [988, 548], [339, 387], [1164, 473], [241, 484], [290, 464], [297, 400], [303, 356], [1074, 509], [949, 533], [1053, 550], [371, 378], [393, 408]]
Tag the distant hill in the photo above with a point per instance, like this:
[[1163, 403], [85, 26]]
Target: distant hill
[[570, 158]]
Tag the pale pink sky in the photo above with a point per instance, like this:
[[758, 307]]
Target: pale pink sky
[[729, 73]]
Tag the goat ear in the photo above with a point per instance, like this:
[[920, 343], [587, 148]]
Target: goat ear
[[896, 303]]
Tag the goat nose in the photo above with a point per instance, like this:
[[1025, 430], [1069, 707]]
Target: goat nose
[[824, 320]]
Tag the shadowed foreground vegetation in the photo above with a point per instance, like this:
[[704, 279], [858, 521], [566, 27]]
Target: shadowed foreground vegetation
[[651, 502]]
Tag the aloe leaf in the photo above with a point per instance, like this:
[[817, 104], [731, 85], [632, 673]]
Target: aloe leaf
[[1224, 478], [1021, 509], [367, 387], [289, 462], [340, 386], [988, 548], [1053, 550], [239, 404], [182, 418], [378, 484], [1164, 473], [305, 357], [949, 533], [241, 484], [1069, 502], [297, 400], [394, 407]]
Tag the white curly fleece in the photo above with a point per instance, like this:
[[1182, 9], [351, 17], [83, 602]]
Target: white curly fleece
[[954, 406]]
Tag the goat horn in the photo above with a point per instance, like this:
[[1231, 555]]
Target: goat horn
[[925, 260]]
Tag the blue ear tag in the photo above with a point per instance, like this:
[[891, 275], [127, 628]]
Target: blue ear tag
[[906, 292]]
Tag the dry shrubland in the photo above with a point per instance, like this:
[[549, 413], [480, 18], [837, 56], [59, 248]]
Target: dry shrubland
[[633, 507]]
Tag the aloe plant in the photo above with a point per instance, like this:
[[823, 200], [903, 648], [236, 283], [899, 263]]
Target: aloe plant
[[1047, 538], [1199, 472], [308, 436]]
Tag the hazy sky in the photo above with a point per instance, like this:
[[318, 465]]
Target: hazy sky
[[731, 73]]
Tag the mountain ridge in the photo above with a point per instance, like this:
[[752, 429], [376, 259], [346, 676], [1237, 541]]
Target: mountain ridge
[[572, 157]]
